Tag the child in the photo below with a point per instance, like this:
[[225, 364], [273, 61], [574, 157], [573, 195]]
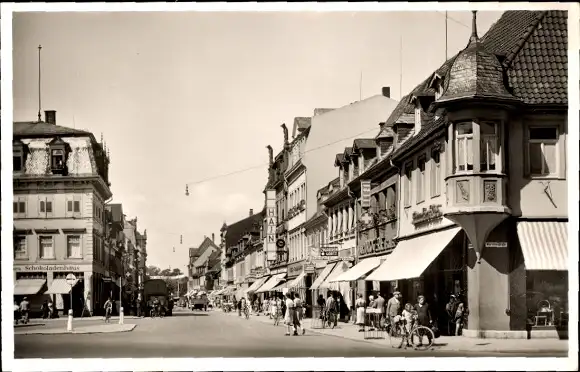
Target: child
[[459, 318], [408, 318]]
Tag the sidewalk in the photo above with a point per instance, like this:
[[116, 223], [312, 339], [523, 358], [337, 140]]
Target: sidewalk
[[99, 328], [40, 321], [350, 331]]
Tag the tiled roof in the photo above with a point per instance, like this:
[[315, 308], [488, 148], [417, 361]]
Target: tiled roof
[[207, 242], [237, 230], [364, 143], [534, 44], [193, 252], [29, 129]]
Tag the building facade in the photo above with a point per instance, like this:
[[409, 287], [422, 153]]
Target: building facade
[[198, 264], [483, 209], [61, 185]]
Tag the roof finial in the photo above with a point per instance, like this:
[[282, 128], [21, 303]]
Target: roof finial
[[474, 38]]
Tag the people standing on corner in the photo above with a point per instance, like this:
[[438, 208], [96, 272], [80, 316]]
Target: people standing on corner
[[360, 312], [320, 302], [394, 307], [331, 310], [108, 310], [25, 309], [423, 316], [450, 310], [289, 316], [298, 315], [380, 305]]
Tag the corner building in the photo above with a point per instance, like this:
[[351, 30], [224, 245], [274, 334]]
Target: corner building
[[483, 206], [61, 185]]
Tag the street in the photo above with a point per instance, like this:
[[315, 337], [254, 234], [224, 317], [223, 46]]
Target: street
[[214, 334]]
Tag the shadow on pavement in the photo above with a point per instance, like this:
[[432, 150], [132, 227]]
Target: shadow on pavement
[[190, 313]]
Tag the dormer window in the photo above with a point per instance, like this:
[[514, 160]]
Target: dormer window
[[19, 152], [58, 154]]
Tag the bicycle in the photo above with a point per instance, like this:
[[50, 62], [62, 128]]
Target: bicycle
[[398, 334]]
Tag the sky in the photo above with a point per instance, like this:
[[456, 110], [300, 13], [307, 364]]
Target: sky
[[184, 97]]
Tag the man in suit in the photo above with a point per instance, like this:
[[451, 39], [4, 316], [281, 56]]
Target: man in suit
[[423, 315], [394, 306]]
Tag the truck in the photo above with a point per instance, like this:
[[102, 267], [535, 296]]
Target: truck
[[157, 288], [199, 301]]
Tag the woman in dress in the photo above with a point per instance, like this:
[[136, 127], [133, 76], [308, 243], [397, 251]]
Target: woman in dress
[[289, 316], [360, 312], [274, 311]]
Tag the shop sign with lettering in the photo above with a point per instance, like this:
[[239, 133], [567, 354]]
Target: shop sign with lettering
[[77, 268], [491, 245], [373, 246], [329, 251], [270, 222], [295, 270], [309, 268], [365, 187]]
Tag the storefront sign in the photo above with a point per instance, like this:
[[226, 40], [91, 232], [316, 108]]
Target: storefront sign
[[373, 246], [365, 187], [270, 222], [491, 245], [427, 215], [309, 268], [295, 269], [329, 251], [65, 268]]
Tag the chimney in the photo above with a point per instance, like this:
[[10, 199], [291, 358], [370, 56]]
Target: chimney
[[387, 92], [251, 212], [213, 237], [50, 117]]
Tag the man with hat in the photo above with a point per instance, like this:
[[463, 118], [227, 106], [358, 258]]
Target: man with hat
[[394, 306], [24, 309]]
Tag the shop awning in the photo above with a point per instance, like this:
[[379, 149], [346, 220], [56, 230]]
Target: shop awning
[[359, 270], [60, 286], [544, 244], [271, 283], [298, 282], [411, 257], [24, 287], [280, 287], [322, 277], [257, 284], [339, 269]]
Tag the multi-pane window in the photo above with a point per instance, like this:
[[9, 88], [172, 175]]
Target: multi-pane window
[[73, 246], [488, 146], [18, 160], [20, 250], [46, 247], [435, 174], [464, 147], [19, 206], [57, 159], [408, 182], [45, 206], [543, 151], [421, 178]]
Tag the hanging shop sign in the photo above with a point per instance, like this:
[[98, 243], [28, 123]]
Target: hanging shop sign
[[280, 244], [295, 269], [310, 268], [365, 187], [427, 215], [329, 251], [270, 222]]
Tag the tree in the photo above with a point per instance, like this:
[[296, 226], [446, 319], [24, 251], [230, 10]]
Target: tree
[[175, 272], [153, 270], [165, 272]]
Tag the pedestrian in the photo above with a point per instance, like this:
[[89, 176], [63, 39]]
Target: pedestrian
[[24, 309], [450, 310], [51, 313], [44, 308], [274, 310], [380, 306], [139, 305], [360, 312], [423, 316], [408, 318], [460, 314], [108, 310], [331, 310], [393, 307], [289, 316], [298, 315], [16, 312], [372, 305]]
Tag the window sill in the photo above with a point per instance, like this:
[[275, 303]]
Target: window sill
[[553, 177], [47, 258], [407, 206], [421, 202], [22, 258], [435, 196]]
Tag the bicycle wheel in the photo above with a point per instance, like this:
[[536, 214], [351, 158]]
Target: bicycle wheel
[[422, 338], [396, 337]]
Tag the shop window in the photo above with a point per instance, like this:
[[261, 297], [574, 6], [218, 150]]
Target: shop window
[[20, 251], [421, 179], [547, 298], [46, 247], [435, 181], [488, 146], [408, 183], [73, 246], [543, 151], [464, 147]]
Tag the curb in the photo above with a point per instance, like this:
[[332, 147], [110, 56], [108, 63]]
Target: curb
[[77, 332], [16, 326]]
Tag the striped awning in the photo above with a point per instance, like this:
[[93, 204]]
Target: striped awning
[[298, 283], [340, 268], [60, 286], [257, 284], [271, 283], [24, 287], [359, 270], [544, 244], [323, 275], [280, 287]]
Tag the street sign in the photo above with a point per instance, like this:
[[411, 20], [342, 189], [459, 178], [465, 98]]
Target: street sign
[[329, 251], [280, 243], [107, 279], [70, 279]]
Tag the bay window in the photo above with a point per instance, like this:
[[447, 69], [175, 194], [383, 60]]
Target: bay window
[[464, 146], [488, 146], [543, 151]]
